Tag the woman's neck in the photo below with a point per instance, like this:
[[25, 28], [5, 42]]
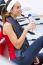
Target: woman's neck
[[14, 16]]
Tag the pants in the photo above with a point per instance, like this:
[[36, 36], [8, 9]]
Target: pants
[[31, 52]]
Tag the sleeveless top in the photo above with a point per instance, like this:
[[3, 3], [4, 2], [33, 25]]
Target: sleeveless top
[[13, 52]]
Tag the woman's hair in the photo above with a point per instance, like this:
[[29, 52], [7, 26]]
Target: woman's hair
[[7, 8], [4, 14]]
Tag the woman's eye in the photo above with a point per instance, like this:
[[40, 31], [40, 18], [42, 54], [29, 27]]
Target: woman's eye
[[18, 7]]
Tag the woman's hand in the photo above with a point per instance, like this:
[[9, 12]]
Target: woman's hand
[[30, 26]]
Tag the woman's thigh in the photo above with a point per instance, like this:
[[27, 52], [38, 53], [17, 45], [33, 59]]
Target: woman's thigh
[[31, 52]]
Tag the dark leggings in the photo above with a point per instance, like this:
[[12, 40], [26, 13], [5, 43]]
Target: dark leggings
[[31, 52]]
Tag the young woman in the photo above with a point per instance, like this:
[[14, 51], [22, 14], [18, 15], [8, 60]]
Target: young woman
[[19, 50]]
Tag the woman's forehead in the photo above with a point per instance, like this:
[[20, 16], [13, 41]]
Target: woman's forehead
[[17, 4]]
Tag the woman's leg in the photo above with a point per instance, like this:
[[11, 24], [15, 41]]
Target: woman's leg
[[31, 52]]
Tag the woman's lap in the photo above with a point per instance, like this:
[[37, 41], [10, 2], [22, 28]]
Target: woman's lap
[[31, 52]]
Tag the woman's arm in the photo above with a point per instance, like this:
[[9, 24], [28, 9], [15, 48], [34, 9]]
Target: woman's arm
[[8, 30]]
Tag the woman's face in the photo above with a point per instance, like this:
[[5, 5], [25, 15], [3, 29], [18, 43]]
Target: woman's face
[[16, 10]]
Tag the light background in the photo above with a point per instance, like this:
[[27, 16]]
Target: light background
[[36, 6]]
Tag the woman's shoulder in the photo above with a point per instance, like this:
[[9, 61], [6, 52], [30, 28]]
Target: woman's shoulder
[[7, 26]]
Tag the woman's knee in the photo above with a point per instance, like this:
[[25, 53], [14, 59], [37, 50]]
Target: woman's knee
[[40, 38]]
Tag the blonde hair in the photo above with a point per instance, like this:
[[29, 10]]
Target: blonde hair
[[4, 14]]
